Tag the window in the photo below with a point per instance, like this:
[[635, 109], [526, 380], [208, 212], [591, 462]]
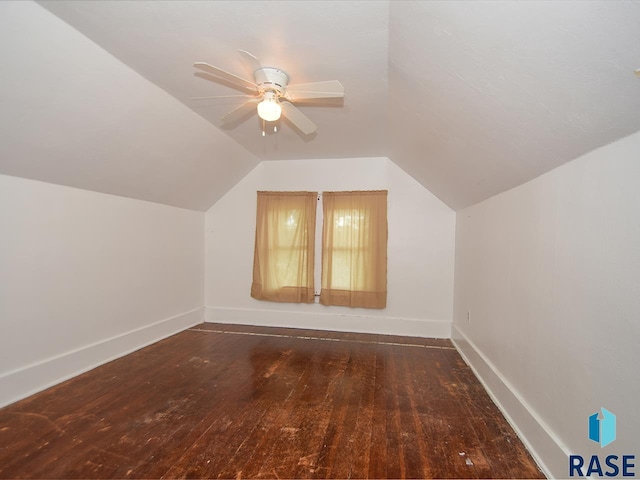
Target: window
[[284, 247], [354, 249]]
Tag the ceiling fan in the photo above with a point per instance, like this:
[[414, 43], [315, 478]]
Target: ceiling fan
[[269, 93]]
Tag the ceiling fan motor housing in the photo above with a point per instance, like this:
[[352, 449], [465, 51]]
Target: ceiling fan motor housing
[[272, 79]]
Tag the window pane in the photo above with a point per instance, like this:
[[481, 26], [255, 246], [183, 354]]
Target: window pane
[[354, 249], [283, 257]]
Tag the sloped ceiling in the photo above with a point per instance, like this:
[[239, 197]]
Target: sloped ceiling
[[487, 95], [72, 114], [311, 41], [470, 98]]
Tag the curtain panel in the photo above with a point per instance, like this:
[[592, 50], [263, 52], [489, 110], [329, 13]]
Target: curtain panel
[[354, 249], [284, 247]]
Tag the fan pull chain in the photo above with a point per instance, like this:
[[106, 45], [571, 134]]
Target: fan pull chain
[[263, 132]]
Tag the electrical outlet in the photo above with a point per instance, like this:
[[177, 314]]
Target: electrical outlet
[[468, 316]]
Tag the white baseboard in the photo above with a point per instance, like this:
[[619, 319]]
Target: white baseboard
[[330, 321], [23, 382], [541, 442]]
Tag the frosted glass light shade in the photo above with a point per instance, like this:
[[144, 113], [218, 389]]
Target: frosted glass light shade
[[269, 109]]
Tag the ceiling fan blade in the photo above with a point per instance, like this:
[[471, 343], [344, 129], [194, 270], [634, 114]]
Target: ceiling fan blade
[[222, 81], [252, 60], [241, 112], [221, 96], [229, 77], [328, 89], [299, 119]]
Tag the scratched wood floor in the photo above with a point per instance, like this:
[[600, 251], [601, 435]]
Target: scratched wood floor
[[218, 401]]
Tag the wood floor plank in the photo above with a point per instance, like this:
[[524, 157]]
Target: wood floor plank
[[225, 401], [378, 448], [261, 399], [226, 422], [293, 442]]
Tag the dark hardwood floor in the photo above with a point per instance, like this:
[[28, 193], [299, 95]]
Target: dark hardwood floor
[[222, 401]]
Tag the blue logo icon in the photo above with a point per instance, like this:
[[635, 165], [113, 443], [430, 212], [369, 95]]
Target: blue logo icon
[[602, 430]]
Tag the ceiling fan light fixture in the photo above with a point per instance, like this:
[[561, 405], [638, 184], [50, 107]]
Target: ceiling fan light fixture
[[270, 92], [269, 109]]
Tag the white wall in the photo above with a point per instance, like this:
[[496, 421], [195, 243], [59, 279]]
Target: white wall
[[420, 251], [550, 272], [86, 277]]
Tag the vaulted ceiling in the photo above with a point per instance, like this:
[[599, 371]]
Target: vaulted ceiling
[[470, 98]]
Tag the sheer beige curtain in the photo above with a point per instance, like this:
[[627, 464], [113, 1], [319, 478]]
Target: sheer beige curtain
[[354, 249], [284, 248]]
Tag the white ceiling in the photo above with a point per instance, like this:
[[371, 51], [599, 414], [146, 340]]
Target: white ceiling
[[471, 98], [72, 114], [488, 95]]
